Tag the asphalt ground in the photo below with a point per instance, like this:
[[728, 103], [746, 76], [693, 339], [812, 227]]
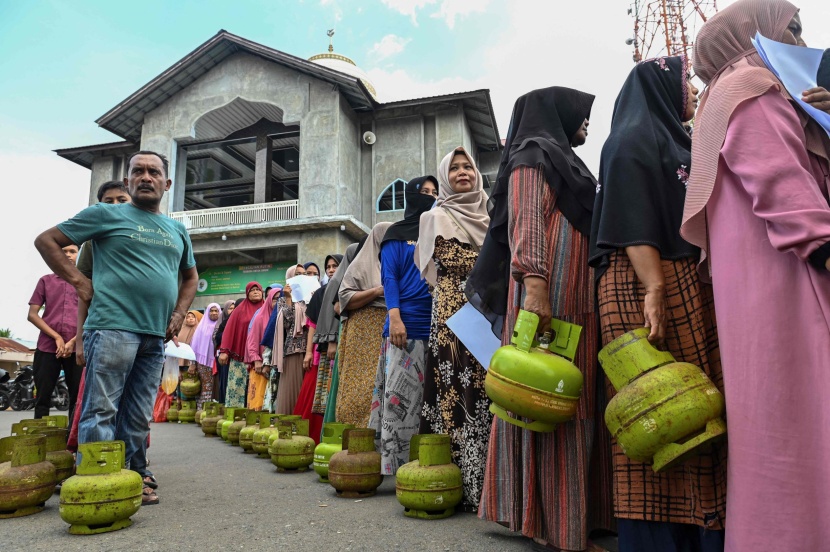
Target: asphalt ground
[[215, 497]]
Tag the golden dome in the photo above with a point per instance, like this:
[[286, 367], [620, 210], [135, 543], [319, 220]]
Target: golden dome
[[345, 65]]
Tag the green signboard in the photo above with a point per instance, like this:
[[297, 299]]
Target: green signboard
[[226, 280]]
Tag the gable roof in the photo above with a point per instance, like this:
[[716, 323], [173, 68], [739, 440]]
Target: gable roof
[[126, 118]]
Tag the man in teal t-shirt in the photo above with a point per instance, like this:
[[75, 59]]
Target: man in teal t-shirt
[[137, 303]]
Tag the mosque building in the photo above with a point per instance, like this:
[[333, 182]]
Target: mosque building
[[277, 159]]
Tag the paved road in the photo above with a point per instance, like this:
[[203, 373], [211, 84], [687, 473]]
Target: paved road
[[214, 497]]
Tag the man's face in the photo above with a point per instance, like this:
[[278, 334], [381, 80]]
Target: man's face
[[114, 195], [71, 252], [147, 181]]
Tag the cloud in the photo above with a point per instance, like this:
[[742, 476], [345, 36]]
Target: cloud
[[46, 190], [536, 48], [450, 9], [388, 46], [408, 7]]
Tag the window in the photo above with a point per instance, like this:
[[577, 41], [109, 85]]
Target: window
[[392, 197]]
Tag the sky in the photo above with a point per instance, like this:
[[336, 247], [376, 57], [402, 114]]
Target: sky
[[64, 64]]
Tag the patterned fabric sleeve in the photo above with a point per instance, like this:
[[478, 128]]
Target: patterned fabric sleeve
[[528, 197]]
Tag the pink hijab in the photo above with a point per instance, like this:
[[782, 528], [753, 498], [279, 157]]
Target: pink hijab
[[253, 350], [278, 350], [734, 72]]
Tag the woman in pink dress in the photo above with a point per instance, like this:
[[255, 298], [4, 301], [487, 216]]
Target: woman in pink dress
[[757, 205]]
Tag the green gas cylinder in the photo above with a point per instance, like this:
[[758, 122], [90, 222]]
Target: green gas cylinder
[[429, 486], [27, 480], [102, 495], [267, 427], [24, 427], [57, 420], [354, 472], [664, 411], [291, 452], [173, 413], [331, 443], [239, 422], [210, 418], [187, 412], [190, 386], [56, 453], [246, 436], [533, 380], [223, 426]]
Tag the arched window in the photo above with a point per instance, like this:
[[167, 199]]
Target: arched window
[[392, 197]]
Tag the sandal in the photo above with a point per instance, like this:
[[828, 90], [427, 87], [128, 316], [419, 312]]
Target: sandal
[[149, 497], [150, 481]]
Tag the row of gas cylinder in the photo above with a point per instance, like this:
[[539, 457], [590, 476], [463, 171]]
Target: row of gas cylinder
[[428, 487], [97, 496]]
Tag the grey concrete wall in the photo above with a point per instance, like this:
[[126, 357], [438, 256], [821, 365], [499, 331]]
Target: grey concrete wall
[[349, 190], [448, 132], [103, 170], [398, 153]]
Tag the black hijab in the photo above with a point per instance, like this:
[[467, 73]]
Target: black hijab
[[644, 166], [416, 204], [543, 123]]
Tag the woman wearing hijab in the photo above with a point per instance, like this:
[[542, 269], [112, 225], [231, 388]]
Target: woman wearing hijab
[[535, 258], [288, 347], [311, 269], [257, 380], [315, 356], [647, 277], [399, 383], [757, 203], [188, 329], [220, 373], [234, 345], [449, 239], [362, 303], [327, 332], [203, 348]]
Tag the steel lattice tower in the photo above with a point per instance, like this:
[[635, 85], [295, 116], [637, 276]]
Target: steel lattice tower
[[667, 27]]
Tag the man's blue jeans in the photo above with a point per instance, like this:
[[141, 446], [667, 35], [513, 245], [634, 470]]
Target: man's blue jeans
[[123, 371]]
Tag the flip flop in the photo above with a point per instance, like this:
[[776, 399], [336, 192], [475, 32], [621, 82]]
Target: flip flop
[[149, 497], [150, 481]]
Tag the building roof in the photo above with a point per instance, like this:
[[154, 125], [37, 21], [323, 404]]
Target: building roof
[[127, 117], [84, 155], [10, 345], [478, 110]]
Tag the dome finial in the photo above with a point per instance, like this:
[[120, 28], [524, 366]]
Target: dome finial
[[330, 33]]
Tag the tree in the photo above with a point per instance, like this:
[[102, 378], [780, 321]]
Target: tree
[[6, 332]]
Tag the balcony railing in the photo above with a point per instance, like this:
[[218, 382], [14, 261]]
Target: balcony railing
[[241, 214]]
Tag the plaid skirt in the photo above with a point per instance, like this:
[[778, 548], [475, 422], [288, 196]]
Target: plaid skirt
[[695, 491]]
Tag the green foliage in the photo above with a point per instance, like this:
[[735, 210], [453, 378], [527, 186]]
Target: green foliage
[[6, 332]]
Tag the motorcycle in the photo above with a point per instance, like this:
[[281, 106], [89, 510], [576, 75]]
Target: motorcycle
[[4, 390], [23, 394]]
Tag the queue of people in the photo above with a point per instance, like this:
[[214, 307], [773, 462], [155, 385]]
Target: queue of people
[[718, 243]]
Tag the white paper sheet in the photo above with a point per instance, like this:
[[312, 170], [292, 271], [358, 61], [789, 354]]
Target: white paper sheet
[[796, 67], [302, 287], [474, 331]]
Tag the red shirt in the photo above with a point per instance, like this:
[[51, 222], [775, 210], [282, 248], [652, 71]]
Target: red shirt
[[61, 312]]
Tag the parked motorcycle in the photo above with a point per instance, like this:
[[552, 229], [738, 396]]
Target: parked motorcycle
[[23, 395], [5, 391]]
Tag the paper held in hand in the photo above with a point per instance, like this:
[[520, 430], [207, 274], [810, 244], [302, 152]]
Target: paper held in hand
[[302, 287], [796, 67], [475, 332]]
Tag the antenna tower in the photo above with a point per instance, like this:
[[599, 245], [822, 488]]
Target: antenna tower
[[667, 27]]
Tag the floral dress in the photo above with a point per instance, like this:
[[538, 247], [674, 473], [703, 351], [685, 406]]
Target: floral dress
[[454, 399]]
